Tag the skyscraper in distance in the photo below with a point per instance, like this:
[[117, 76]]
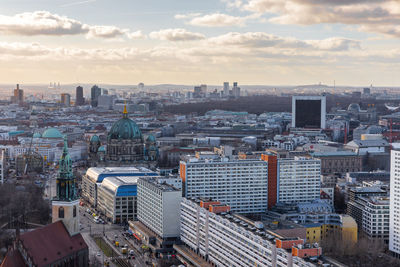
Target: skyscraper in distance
[[80, 100], [18, 97], [95, 92], [65, 99], [226, 88]]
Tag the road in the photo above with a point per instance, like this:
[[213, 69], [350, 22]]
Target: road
[[109, 231]]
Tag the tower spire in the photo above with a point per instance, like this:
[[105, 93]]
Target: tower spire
[[125, 112], [65, 179]]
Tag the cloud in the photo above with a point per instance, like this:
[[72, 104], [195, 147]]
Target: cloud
[[46, 23], [176, 35], [218, 20], [186, 16], [41, 23], [377, 16], [106, 32], [135, 35], [265, 40]]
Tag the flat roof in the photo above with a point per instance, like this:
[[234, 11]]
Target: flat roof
[[97, 174], [334, 153]]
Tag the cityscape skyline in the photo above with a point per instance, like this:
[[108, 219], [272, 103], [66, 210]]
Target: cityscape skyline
[[254, 41]]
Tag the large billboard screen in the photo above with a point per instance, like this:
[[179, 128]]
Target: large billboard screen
[[308, 113]]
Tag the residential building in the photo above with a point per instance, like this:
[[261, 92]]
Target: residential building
[[394, 223], [299, 180], [158, 214], [363, 203], [242, 184], [375, 218], [220, 238]]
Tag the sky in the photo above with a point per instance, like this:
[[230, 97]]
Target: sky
[[269, 42]]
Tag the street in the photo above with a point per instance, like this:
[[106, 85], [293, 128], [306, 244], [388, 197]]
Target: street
[[109, 232]]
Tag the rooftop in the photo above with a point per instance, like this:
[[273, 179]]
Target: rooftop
[[51, 243], [333, 154], [164, 187]]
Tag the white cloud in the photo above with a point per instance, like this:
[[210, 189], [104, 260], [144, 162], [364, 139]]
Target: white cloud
[[41, 23], [186, 16], [176, 35], [218, 20], [265, 40], [46, 23], [378, 16], [135, 35], [106, 32]]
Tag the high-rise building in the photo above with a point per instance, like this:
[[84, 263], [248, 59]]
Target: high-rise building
[[236, 90], [158, 215], [80, 100], [18, 97], [226, 89], [299, 180], [394, 222], [222, 238], [203, 89], [95, 92], [66, 203], [241, 184], [309, 112], [296, 180], [158, 207], [65, 99]]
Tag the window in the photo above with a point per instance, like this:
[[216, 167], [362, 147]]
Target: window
[[61, 212], [74, 212]]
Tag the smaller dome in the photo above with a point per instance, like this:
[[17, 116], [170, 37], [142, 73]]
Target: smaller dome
[[37, 135], [52, 133], [102, 149], [354, 107], [94, 138], [151, 138]]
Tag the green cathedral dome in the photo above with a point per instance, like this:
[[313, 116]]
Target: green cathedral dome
[[125, 129], [52, 133]]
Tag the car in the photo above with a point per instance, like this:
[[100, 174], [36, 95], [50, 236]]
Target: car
[[98, 254]]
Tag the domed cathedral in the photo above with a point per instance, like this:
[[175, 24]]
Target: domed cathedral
[[124, 141]]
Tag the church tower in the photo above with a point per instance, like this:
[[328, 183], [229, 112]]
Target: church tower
[[66, 204]]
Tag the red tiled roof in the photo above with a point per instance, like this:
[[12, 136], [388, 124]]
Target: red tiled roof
[[13, 259], [51, 243]]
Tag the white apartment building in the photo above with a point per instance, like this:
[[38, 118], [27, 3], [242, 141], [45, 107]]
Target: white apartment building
[[241, 184], [159, 207], [375, 217], [225, 240], [394, 223], [116, 198], [299, 180]]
